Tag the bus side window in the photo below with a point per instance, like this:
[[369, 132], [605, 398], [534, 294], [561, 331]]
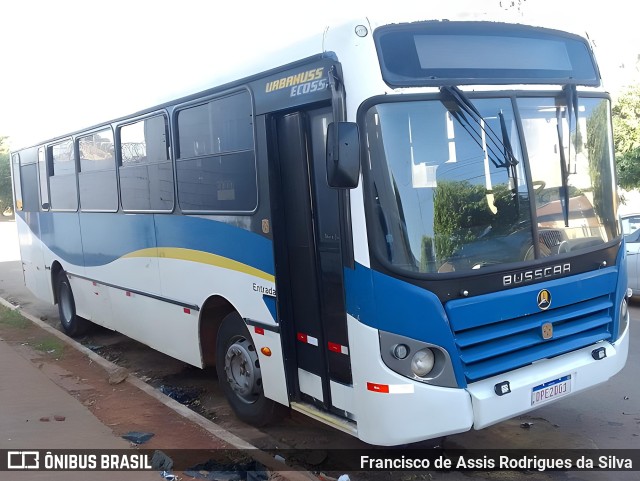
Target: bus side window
[[44, 179], [146, 173], [216, 164], [97, 176], [29, 178], [17, 183], [63, 189]]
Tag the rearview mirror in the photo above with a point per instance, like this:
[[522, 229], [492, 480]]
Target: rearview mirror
[[343, 155]]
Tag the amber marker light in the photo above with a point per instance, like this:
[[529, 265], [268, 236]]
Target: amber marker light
[[266, 351]]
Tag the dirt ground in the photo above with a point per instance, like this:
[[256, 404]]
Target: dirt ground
[[103, 395]]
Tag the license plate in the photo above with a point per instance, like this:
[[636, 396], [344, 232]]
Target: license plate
[[551, 390]]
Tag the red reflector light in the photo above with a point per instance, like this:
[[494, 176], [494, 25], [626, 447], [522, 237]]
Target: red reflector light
[[187, 310], [371, 386], [259, 330]]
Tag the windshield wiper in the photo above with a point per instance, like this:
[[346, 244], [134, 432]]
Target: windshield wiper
[[571, 96], [503, 145], [465, 106]]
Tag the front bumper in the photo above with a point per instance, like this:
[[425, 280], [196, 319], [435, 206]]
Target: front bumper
[[489, 408]]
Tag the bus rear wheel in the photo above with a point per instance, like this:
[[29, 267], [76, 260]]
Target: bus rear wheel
[[239, 374], [72, 324]]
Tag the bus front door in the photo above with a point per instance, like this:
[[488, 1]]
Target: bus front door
[[309, 269]]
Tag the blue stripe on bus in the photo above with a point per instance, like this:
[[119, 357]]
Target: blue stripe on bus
[[270, 302], [391, 305], [107, 237], [218, 238]]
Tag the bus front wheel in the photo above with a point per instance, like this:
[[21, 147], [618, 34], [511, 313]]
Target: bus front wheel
[[72, 324], [239, 374]]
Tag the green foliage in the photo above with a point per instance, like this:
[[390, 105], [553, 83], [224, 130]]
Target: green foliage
[[628, 168], [626, 137], [461, 213], [626, 121], [427, 258], [5, 177]]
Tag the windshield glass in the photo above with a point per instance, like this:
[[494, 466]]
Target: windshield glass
[[449, 191], [586, 215]]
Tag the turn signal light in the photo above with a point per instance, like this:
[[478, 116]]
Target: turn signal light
[[266, 351]]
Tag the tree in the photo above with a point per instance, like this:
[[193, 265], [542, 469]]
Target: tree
[[626, 121], [626, 137], [460, 214], [6, 196]]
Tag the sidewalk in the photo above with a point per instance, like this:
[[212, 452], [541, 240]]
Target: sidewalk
[[27, 398]]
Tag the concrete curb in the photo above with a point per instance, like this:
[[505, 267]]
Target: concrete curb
[[211, 427]]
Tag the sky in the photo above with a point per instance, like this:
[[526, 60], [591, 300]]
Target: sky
[[69, 64]]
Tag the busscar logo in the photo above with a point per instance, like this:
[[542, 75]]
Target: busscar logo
[[544, 299], [23, 460], [524, 277]]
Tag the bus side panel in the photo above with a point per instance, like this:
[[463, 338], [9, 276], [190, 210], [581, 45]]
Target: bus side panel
[[61, 233], [167, 327], [111, 244], [29, 229], [111, 240], [31, 252], [201, 257], [60, 236]]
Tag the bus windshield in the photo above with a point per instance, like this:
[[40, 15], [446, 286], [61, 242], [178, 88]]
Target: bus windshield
[[452, 192]]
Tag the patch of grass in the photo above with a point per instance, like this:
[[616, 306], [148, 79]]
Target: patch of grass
[[12, 318], [51, 346]]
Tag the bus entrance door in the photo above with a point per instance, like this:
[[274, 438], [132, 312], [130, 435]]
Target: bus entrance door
[[309, 279]]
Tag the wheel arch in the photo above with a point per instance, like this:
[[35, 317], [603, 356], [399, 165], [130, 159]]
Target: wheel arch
[[56, 268], [213, 311]]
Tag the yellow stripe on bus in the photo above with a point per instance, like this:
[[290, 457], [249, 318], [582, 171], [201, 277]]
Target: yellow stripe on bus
[[202, 258]]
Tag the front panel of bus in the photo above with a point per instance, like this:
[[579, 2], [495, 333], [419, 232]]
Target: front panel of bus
[[495, 281]]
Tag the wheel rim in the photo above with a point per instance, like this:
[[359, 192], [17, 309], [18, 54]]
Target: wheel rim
[[66, 304], [242, 370]]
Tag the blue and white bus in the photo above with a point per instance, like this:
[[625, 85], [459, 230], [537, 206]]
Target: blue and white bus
[[402, 230]]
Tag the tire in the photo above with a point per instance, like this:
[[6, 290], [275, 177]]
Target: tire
[[239, 374], [72, 324]]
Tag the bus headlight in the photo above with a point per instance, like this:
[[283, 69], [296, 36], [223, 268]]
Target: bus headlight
[[422, 362], [417, 360], [400, 351]]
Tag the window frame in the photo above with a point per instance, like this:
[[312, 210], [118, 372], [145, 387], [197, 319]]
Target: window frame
[[170, 160], [43, 179], [16, 184], [176, 143], [76, 145], [51, 172]]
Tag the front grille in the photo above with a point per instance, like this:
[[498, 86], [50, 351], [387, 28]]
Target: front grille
[[499, 332]]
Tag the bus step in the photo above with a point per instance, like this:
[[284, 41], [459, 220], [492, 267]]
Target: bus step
[[342, 424]]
